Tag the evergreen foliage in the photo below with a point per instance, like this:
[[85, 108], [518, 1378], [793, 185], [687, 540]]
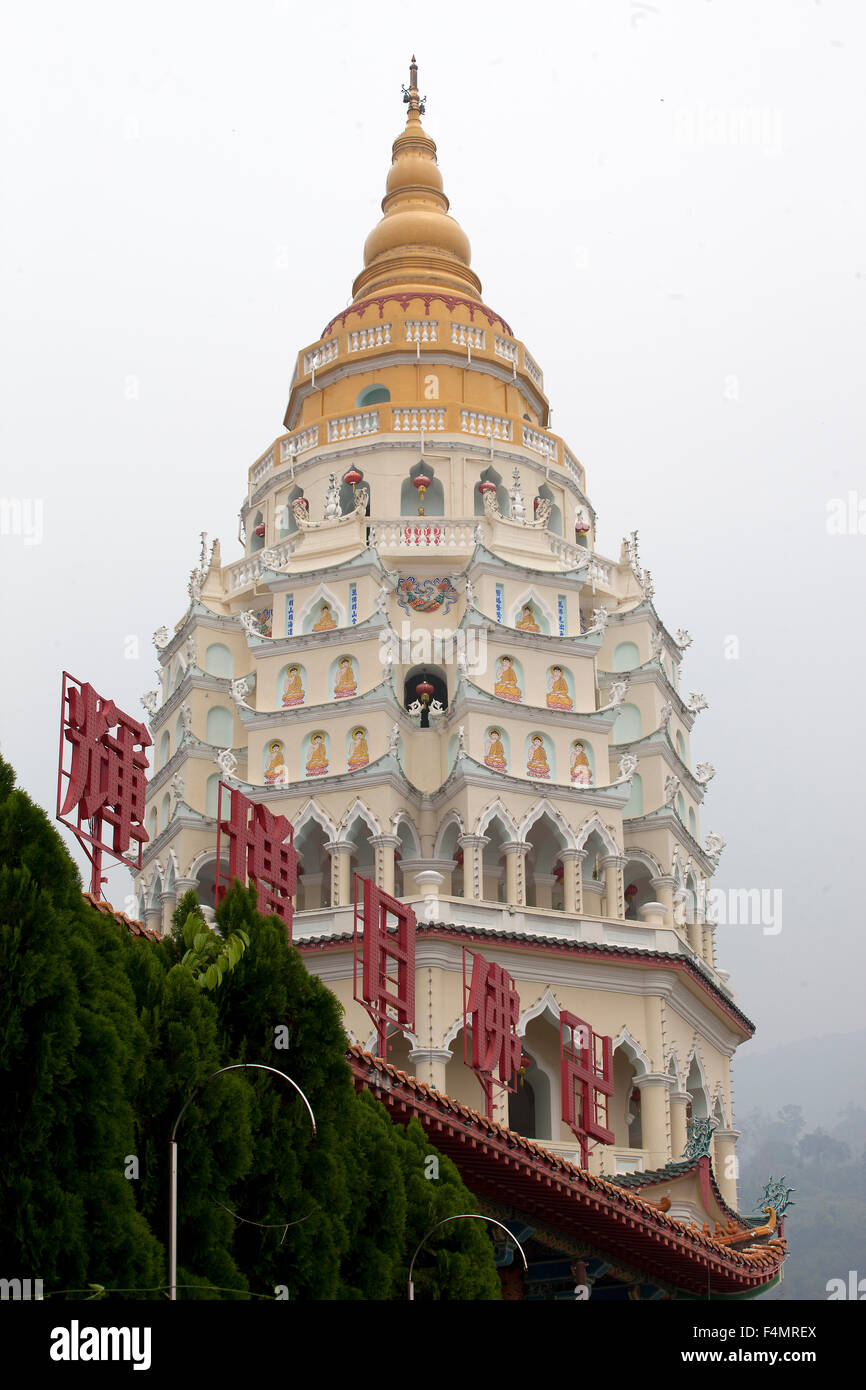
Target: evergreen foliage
[[104, 1036]]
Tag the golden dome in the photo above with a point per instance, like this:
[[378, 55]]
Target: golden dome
[[416, 242]]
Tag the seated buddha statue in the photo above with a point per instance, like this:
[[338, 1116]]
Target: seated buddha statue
[[359, 756], [317, 763], [557, 690], [581, 772], [275, 771], [537, 764], [346, 684], [526, 622], [294, 691], [506, 682], [326, 619], [495, 754]]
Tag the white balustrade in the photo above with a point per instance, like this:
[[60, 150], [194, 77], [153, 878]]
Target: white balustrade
[[533, 370], [488, 426], [350, 426], [297, 443], [424, 532], [379, 335], [245, 572], [540, 443], [319, 356], [261, 468], [422, 330], [417, 418], [573, 467], [504, 347], [465, 336]]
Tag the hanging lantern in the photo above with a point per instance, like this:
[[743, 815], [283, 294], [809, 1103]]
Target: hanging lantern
[[424, 690], [631, 890], [260, 530], [486, 486], [458, 857], [421, 482], [581, 526], [559, 872], [353, 477]]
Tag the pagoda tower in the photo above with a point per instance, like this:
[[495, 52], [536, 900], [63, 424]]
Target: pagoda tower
[[424, 662]]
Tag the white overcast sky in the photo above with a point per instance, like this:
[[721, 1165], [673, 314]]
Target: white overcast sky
[[664, 200]]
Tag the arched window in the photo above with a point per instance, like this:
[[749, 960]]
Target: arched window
[[433, 501], [152, 823], [681, 746], [555, 522], [220, 727], [634, 805], [626, 656], [693, 823], [628, 725], [165, 811], [257, 532], [372, 395], [347, 495], [164, 746], [179, 731], [490, 475], [681, 807], [285, 514], [218, 660], [212, 795]]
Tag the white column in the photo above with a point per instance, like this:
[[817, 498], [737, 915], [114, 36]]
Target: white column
[[341, 865], [430, 1064], [572, 880], [614, 903], [515, 872], [663, 887], [473, 864], [725, 1164], [653, 1088], [679, 1135], [383, 847]]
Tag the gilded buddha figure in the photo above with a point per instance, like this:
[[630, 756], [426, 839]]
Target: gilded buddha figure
[[537, 764], [358, 754], [326, 619], [346, 684], [275, 768], [581, 772], [557, 690], [294, 691], [317, 762], [526, 622], [494, 753], [506, 680]]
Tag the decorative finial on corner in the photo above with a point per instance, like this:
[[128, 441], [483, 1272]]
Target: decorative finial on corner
[[410, 93]]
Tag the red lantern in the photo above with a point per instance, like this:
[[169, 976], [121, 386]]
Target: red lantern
[[486, 486], [559, 871], [424, 690], [459, 858], [631, 890], [353, 477], [421, 482], [260, 530]]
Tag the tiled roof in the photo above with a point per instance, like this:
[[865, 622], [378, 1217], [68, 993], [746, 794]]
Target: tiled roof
[[589, 949], [134, 927], [499, 1164]]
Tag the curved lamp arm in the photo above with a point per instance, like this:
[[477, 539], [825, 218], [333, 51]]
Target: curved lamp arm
[[172, 1205], [464, 1216]]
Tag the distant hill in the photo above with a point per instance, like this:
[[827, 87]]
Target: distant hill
[[821, 1075]]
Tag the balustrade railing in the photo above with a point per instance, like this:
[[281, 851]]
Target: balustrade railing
[[425, 532], [533, 371], [544, 444], [417, 418], [464, 335], [422, 330], [319, 356], [504, 347], [379, 335], [351, 426], [488, 426]]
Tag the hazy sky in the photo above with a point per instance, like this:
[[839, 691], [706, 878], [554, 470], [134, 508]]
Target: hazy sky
[[666, 203]]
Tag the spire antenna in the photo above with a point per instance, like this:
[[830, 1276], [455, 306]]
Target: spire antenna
[[417, 104]]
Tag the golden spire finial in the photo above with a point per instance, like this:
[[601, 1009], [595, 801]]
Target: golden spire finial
[[417, 104], [416, 242]]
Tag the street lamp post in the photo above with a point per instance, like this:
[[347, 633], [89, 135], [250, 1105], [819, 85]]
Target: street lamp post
[[172, 1148], [464, 1216]]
